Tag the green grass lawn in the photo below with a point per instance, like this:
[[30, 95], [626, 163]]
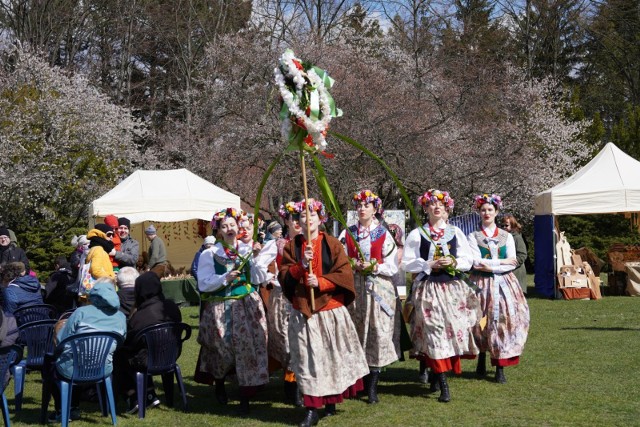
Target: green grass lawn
[[579, 368]]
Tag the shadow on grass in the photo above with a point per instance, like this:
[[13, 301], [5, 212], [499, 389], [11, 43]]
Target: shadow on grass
[[595, 328]]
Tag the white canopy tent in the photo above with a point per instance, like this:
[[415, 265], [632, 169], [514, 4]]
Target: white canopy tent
[[178, 202], [609, 183]]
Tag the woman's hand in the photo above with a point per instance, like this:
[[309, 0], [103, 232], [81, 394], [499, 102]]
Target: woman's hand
[[312, 280], [482, 266], [308, 255], [257, 247], [509, 261], [233, 275]]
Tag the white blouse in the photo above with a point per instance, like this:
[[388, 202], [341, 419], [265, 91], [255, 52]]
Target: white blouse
[[494, 263], [412, 262], [389, 265]]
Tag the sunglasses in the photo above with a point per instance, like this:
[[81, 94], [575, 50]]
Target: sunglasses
[[109, 233]]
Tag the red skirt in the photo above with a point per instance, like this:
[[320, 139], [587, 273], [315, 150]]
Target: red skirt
[[320, 401]]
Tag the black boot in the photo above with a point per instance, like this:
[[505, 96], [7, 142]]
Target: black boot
[[423, 377], [221, 393], [297, 396], [500, 378], [289, 392], [372, 390], [481, 369], [310, 419], [243, 409], [434, 382], [329, 409], [444, 388]]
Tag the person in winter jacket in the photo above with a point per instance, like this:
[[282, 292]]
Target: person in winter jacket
[[151, 308], [101, 314], [20, 289], [9, 252], [99, 248], [56, 292], [126, 279], [127, 254], [81, 243]]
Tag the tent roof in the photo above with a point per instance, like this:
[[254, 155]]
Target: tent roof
[[609, 183], [164, 196]]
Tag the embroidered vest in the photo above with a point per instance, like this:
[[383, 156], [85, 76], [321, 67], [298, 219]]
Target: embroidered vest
[[377, 237], [237, 289], [451, 241]]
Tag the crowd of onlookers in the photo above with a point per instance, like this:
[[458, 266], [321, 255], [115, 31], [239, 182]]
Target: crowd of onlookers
[[98, 288]]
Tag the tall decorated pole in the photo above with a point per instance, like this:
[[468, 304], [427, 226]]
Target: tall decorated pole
[[305, 113]]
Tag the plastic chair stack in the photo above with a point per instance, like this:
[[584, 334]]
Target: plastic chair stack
[[164, 345], [9, 356], [89, 353]]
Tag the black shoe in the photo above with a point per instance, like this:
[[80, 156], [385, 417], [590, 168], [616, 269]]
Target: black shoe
[[56, 416], [500, 378], [434, 383], [221, 393], [310, 419], [329, 409], [423, 377], [372, 390], [444, 388], [481, 369], [243, 409], [152, 400], [132, 405]]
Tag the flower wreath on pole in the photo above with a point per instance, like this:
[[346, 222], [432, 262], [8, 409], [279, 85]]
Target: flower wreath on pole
[[306, 110], [307, 106]]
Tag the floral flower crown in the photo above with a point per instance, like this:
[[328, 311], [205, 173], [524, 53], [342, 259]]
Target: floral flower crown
[[481, 199], [434, 195], [367, 196], [314, 205], [287, 210], [218, 217]]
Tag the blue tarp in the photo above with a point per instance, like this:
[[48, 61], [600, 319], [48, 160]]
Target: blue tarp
[[544, 251]]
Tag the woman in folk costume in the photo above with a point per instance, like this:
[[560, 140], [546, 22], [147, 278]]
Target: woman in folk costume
[[373, 256], [445, 308], [501, 297], [326, 355], [279, 307], [233, 324]]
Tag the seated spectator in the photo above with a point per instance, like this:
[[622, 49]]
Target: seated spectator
[[56, 289], [151, 308], [9, 252], [8, 336], [126, 278], [101, 314], [19, 288], [208, 242]]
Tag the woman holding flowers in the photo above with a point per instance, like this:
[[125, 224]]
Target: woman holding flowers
[[233, 324], [372, 253], [501, 298], [445, 308], [326, 356]]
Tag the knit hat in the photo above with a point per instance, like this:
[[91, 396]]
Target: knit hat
[[111, 221], [124, 221], [4, 231], [209, 240], [273, 227], [104, 228], [150, 230]]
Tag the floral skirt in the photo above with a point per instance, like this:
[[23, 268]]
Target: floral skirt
[[445, 314], [233, 336], [507, 326], [278, 323], [326, 355], [376, 329]]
